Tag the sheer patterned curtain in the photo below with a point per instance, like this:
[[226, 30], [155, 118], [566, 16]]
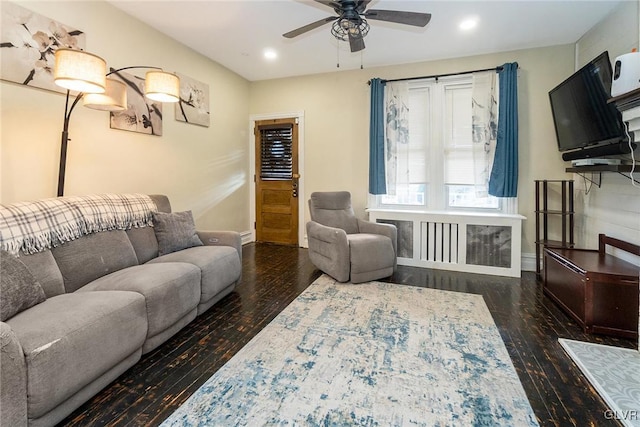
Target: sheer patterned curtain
[[397, 136], [484, 110]]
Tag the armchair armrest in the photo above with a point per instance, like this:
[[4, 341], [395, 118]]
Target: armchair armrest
[[388, 230], [329, 250], [326, 234], [13, 387]]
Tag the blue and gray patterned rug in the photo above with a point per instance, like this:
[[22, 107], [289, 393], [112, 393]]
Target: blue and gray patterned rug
[[372, 354]]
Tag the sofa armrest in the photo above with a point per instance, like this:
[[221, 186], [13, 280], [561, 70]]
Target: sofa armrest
[[222, 238], [329, 250], [388, 230], [13, 387]]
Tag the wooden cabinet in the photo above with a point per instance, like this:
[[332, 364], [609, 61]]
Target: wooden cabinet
[[598, 290], [549, 211]]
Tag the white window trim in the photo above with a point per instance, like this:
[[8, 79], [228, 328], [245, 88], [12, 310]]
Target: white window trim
[[435, 179]]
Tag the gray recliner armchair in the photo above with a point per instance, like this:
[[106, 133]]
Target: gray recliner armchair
[[346, 247]]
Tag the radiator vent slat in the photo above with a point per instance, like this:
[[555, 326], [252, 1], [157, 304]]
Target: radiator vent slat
[[440, 242]]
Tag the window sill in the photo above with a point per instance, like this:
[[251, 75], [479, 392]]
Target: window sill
[[456, 213]]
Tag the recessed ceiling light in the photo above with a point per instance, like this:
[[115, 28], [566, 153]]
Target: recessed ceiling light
[[468, 24], [270, 54]]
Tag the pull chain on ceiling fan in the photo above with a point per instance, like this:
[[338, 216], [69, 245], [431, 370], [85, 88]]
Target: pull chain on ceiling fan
[[351, 23]]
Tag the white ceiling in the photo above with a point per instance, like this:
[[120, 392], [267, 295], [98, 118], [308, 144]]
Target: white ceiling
[[236, 33]]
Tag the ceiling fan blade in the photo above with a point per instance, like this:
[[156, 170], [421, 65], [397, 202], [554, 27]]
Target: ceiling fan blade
[[309, 27], [362, 5], [330, 3], [356, 43], [416, 19]]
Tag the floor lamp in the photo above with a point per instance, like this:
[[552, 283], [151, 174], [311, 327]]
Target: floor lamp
[[86, 73]]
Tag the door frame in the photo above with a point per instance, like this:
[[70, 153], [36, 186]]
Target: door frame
[[252, 171]]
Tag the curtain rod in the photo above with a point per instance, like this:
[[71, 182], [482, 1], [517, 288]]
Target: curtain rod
[[435, 76]]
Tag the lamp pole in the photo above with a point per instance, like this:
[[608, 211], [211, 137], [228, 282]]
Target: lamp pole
[[64, 143]]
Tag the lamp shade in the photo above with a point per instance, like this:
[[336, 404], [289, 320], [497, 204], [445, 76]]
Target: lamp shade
[[162, 86], [80, 71], [113, 99]]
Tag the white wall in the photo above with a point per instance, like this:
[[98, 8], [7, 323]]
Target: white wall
[[336, 107], [199, 168], [614, 208]]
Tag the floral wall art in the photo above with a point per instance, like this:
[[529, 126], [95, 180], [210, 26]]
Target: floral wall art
[[28, 42], [142, 114], [194, 101]]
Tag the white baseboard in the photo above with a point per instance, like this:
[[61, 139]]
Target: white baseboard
[[528, 262], [246, 237]]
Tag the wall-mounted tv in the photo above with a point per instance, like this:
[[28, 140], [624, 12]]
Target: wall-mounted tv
[[581, 114]]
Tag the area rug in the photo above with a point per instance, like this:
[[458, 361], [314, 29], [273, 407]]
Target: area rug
[[372, 354], [615, 373]]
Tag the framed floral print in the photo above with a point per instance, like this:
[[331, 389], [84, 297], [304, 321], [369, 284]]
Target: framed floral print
[[28, 42], [142, 114], [193, 106]]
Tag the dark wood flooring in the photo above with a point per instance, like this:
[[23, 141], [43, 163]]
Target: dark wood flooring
[[530, 325]]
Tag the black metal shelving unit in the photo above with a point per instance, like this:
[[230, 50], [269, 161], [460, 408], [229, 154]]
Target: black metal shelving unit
[[544, 214]]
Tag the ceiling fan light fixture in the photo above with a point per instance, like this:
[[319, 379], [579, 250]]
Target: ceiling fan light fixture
[[349, 23], [343, 27]]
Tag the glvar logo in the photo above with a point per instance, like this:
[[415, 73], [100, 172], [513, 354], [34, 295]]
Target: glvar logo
[[627, 415]]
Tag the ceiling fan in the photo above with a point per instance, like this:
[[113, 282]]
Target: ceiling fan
[[351, 23]]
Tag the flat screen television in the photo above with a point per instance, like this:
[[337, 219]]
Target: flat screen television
[[581, 115]]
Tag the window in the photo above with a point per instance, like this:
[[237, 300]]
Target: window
[[437, 168], [276, 159]]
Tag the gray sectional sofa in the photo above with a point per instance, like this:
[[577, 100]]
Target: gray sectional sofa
[[110, 298]]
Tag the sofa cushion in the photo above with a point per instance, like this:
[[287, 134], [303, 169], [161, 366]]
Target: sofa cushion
[[45, 269], [19, 289], [144, 243], [219, 266], [93, 256], [175, 231], [13, 375], [69, 340], [171, 290]]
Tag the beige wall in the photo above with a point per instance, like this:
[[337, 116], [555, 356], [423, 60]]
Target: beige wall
[[616, 33], [336, 107], [206, 169], [199, 168], [613, 208]]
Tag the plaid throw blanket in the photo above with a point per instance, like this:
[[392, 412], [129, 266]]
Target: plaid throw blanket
[[35, 226]]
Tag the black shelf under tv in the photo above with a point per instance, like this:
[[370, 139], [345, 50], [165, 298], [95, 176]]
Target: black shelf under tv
[[602, 168]]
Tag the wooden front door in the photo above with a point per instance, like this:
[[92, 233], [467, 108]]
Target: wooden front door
[[276, 144]]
